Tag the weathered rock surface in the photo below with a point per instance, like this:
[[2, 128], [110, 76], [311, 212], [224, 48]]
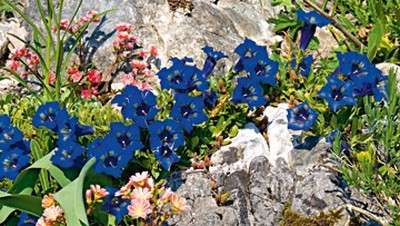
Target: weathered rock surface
[[260, 190], [221, 24]]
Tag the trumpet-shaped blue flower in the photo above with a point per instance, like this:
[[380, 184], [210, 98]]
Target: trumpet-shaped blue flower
[[247, 51], [310, 20], [67, 153], [262, 69], [166, 156], [212, 58], [166, 132], [27, 220], [138, 105], [301, 117], [4, 122], [10, 136], [115, 205], [127, 137], [69, 128], [110, 158], [304, 66], [338, 93], [249, 91], [12, 161], [188, 111], [182, 78], [210, 97], [46, 115]]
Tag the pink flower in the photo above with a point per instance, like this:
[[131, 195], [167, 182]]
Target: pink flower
[[124, 191], [88, 196], [84, 19], [98, 191], [142, 180], [75, 74], [141, 65], [179, 204], [129, 45], [86, 94], [141, 193], [48, 201], [52, 77], [139, 208], [52, 213], [153, 51], [132, 38], [94, 76], [123, 27], [123, 35], [42, 222], [127, 79], [148, 73], [167, 195], [64, 23], [91, 14], [141, 85], [19, 53], [15, 65], [143, 53]]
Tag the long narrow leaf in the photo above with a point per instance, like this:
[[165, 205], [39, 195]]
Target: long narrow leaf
[[38, 154], [26, 203], [70, 198]]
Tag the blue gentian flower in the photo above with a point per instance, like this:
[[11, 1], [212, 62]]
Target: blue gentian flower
[[46, 115], [67, 153], [10, 136], [4, 122], [301, 117], [210, 97], [338, 93], [115, 205], [377, 87], [247, 51], [188, 111], [356, 67], [127, 137], [166, 132], [212, 58], [69, 128], [311, 20], [110, 157], [262, 69], [166, 156], [12, 161], [182, 78], [249, 91], [138, 105], [304, 66], [27, 220]]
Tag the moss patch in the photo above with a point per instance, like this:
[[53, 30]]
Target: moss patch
[[323, 219]]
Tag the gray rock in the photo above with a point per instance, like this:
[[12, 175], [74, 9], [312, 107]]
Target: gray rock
[[279, 137], [386, 67], [223, 26], [260, 191], [247, 145]]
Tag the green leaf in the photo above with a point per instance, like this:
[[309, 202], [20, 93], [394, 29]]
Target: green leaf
[[26, 203], [70, 198], [374, 41], [37, 154], [57, 173]]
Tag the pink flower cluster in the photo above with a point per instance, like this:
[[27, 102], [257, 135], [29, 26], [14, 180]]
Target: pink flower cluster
[[149, 201], [28, 57], [65, 24], [52, 214], [126, 40], [140, 75], [89, 80]]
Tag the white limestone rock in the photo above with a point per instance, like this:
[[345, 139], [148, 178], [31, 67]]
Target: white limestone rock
[[247, 145]]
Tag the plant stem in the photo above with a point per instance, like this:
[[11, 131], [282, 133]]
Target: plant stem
[[335, 23]]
